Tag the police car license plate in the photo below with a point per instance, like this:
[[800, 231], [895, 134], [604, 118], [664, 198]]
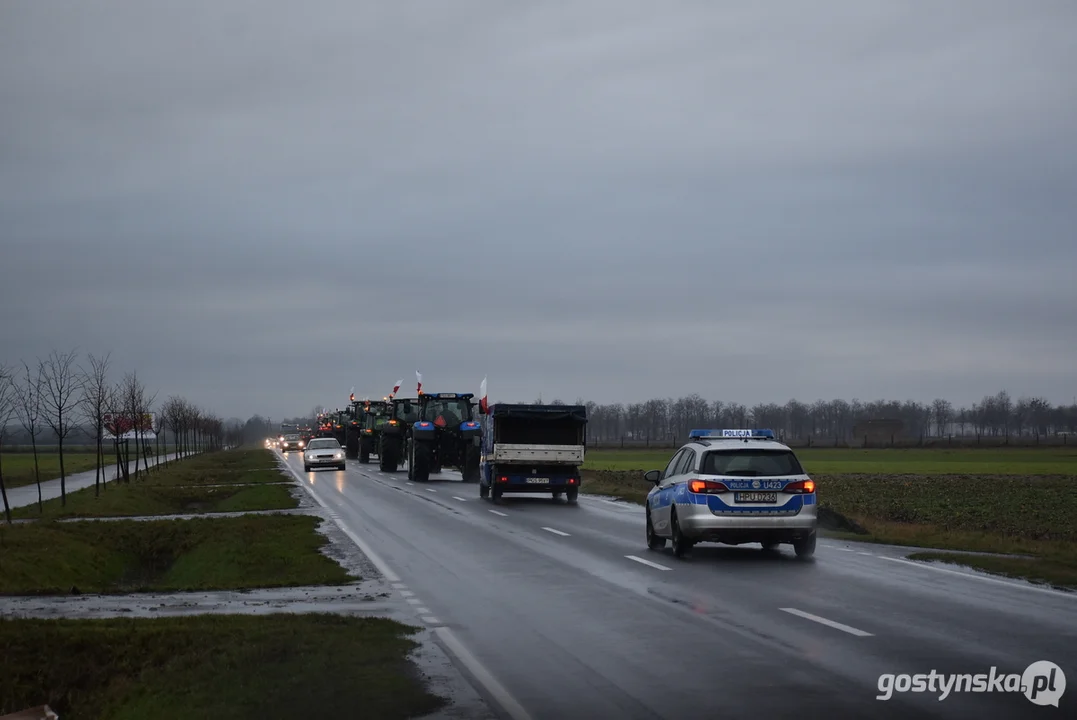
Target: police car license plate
[[755, 497], [538, 481]]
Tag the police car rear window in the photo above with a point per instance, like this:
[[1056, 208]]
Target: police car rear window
[[751, 463]]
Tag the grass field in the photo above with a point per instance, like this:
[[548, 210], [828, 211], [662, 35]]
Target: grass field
[[914, 461], [165, 555], [18, 467], [226, 481], [231, 667], [1012, 501]]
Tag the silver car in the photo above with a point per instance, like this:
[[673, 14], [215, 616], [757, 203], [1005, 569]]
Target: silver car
[[323, 452], [734, 487]]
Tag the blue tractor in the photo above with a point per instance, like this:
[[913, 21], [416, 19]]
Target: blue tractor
[[446, 434]]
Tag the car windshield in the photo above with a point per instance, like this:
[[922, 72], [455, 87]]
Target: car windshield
[[751, 463], [446, 412], [291, 437], [323, 443]]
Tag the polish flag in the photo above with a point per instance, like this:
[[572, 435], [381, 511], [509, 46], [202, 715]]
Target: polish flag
[[419, 379], [351, 394], [396, 387], [484, 407]]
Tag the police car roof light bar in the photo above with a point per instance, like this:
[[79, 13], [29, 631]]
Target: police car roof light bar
[[730, 434]]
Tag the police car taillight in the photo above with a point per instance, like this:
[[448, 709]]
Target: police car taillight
[[801, 487], [707, 486]]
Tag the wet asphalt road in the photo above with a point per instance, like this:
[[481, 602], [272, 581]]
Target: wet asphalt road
[[546, 598]]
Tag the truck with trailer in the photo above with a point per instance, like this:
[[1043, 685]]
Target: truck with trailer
[[532, 449]]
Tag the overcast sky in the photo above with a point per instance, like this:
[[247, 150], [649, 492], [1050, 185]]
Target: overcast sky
[[261, 204]]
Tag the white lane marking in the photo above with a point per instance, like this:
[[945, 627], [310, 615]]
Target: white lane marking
[[431, 490], [496, 690], [845, 549], [410, 483], [388, 574], [400, 586], [556, 532], [495, 512], [459, 498], [407, 593], [414, 601], [430, 620], [970, 576], [648, 562], [423, 611], [829, 623], [864, 553]]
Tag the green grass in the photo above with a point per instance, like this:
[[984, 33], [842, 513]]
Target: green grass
[[914, 461], [227, 481], [136, 500], [165, 555], [229, 667], [18, 467]]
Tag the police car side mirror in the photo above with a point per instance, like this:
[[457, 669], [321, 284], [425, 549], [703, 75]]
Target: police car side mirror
[[652, 476]]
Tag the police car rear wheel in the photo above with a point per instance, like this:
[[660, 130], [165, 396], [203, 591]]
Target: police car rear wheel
[[654, 542], [681, 544], [805, 548]]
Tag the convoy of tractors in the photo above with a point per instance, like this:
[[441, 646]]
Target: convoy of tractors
[[529, 448]]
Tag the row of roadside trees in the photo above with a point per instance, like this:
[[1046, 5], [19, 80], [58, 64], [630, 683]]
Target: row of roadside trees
[[997, 415], [64, 394]]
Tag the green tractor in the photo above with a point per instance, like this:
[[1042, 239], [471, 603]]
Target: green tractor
[[446, 434], [374, 415], [394, 433], [352, 418]]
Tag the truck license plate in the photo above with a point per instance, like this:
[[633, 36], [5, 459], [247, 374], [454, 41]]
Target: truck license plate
[[538, 481], [755, 497]]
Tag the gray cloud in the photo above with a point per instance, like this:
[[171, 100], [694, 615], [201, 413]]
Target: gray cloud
[[260, 205]]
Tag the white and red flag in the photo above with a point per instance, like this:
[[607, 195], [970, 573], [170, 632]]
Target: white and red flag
[[484, 406], [396, 388], [419, 380]]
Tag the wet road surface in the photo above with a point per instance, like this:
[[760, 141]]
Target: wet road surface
[[559, 611]]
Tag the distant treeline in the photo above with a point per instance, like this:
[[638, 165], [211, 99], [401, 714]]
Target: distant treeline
[[663, 420]]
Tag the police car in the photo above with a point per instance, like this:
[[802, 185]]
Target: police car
[[734, 487]]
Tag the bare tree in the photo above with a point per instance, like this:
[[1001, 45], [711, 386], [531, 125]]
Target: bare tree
[[117, 426], [28, 410], [95, 397], [133, 401], [60, 385], [944, 414], [7, 409], [158, 432]]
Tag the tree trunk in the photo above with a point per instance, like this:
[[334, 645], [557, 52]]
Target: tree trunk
[[63, 474], [37, 473], [98, 462], [3, 488]]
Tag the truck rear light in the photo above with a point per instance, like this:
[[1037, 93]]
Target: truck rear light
[[707, 486], [801, 487], [503, 479], [572, 481]]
